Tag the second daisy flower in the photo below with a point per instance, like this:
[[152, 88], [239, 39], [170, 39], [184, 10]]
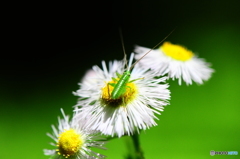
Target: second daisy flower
[[177, 62]]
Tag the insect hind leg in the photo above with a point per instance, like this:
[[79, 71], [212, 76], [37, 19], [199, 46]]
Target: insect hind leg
[[111, 84]]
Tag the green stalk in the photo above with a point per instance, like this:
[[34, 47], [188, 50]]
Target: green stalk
[[136, 143]]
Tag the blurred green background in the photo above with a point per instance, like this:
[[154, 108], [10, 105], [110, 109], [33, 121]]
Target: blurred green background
[[50, 46]]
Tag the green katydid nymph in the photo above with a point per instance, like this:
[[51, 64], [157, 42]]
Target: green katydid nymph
[[121, 89], [121, 85]]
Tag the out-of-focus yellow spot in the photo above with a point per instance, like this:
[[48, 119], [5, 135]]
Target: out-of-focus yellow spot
[[177, 52]]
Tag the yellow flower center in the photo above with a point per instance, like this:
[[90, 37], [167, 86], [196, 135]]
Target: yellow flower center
[[177, 52], [129, 94], [69, 142]]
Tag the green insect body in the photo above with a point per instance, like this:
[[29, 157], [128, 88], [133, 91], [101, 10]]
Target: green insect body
[[120, 86]]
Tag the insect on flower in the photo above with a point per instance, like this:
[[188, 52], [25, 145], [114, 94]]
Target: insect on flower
[[123, 99], [120, 85]]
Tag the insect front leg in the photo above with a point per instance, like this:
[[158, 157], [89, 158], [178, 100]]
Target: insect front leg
[[118, 75], [135, 80]]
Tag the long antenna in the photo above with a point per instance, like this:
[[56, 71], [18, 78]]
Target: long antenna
[[125, 56], [152, 49]]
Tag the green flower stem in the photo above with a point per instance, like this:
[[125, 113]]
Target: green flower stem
[[136, 143]]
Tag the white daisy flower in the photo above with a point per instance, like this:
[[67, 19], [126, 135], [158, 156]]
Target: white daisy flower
[[73, 140], [142, 97], [176, 61], [89, 78]]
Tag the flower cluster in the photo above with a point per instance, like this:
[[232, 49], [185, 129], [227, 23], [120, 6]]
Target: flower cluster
[[118, 101]]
